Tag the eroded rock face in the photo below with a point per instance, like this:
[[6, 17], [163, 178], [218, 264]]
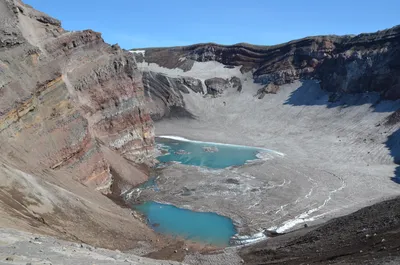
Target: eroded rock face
[[166, 94], [66, 95], [217, 85], [194, 84], [343, 64], [73, 122], [375, 67]]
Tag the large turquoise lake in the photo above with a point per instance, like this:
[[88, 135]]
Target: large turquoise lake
[[209, 228], [203, 154]]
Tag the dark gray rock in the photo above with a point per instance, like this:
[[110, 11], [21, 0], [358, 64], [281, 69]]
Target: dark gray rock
[[194, 84], [216, 86], [165, 94], [49, 20], [236, 83]]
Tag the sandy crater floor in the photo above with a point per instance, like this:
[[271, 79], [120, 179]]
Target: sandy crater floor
[[335, 158]]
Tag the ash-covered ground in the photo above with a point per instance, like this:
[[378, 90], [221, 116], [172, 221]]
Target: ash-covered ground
[[338, 155]]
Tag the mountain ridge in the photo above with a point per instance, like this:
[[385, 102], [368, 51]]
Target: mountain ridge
[[249, 45], [331, 59]]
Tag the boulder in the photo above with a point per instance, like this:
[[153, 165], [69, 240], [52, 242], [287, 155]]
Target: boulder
[[216, 86], [271, 88]]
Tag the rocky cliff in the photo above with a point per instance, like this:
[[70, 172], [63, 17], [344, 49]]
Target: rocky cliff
[[66, 95], [72, 120], [343, 64]]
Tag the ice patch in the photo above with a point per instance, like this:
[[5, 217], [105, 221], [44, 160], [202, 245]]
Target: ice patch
[[247, 240], [291, 223], [264, 156], [178, 138], [182, 139]]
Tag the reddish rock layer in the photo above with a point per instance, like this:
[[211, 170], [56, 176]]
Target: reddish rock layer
[[72, 121], [68, 94]]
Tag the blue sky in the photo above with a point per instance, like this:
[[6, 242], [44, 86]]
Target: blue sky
[[158, 23]]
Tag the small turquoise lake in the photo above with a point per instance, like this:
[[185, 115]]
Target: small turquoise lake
[[204, 227], [203, 154]]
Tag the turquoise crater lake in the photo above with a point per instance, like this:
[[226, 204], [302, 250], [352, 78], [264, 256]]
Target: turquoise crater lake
[[204, 227], [203, 154]]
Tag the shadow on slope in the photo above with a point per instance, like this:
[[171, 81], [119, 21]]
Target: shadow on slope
[[180, 112], [393, 144], [311, 94]]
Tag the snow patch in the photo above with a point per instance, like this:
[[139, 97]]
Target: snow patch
[[142, 52], [199, 70]]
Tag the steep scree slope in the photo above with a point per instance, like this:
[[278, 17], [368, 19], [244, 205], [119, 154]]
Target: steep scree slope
[[72, 120]]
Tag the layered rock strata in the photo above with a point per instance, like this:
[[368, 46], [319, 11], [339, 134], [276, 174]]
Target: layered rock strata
[[343, 64], [67, 94], [73, 120]]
